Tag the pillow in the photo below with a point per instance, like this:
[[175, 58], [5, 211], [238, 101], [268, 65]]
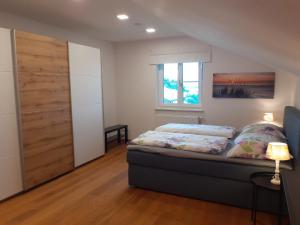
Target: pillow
[[265, 128], [252, 145], [257, 137], [248, 150]]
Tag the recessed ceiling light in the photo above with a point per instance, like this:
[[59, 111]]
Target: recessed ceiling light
[[123, 17], [150, 30]]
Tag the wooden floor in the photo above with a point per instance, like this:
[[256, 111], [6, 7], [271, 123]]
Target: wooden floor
[[98, 193]]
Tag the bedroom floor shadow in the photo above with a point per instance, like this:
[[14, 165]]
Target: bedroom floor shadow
[[98, 193]]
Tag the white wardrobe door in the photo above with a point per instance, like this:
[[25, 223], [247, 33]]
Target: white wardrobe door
[[87, 112], [10, 163]]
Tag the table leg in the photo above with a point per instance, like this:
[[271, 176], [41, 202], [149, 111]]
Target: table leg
[[105, 143], [280, 206], [119, 136], [126, 135], [255, 204]]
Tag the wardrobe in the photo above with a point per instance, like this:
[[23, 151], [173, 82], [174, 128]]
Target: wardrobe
[[86, 93], [10, 161], [51, 92]]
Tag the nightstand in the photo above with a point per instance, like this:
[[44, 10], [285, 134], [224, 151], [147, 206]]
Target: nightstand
[[262, 180]]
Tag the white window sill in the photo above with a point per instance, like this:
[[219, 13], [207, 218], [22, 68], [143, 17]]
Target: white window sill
[[179, 109]]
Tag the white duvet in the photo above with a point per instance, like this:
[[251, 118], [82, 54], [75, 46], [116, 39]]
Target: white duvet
[[187, 142], [200, 129]]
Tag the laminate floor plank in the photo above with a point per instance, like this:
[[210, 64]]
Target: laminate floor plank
[[98, 194]]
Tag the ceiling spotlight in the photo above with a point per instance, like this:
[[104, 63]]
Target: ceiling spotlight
[[150, 30], [122, 17]]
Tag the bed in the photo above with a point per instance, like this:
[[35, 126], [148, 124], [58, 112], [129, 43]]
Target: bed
[[208, 177]]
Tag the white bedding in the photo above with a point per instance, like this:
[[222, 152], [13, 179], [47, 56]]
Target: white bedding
[[200, 129], [186, 142]]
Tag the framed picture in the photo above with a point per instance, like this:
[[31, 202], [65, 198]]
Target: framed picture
[[244, 85]]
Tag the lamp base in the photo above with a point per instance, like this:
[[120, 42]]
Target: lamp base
[[276, 179]]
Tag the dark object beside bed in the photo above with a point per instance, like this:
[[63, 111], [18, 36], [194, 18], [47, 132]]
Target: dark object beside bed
[[218, 181], [291, 179]]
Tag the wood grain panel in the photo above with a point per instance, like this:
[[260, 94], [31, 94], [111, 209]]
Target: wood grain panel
[[43, 48], [45, 107], [36, 63]]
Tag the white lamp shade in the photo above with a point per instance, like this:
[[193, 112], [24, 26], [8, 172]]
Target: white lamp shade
[[278, 151], [268, 117]]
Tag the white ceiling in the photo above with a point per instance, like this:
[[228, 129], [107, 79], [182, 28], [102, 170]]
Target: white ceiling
[[267, 31], [97, 18]]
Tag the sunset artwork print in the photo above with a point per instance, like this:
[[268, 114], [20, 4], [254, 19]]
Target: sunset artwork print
[[243, 85]]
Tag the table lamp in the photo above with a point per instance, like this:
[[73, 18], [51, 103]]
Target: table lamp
[[279, 152], [269, 117]]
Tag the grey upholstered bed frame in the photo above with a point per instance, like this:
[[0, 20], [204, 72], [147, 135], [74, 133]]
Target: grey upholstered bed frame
[[221, 182]]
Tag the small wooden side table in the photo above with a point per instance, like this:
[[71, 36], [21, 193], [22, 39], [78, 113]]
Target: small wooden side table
[[262, 180]]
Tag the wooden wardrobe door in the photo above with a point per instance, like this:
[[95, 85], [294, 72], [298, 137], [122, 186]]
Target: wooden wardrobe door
[[44, 107]]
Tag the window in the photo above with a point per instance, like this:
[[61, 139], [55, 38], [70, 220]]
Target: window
[[180, 85]]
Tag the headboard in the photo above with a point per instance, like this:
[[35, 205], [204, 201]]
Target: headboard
[[291, 126]]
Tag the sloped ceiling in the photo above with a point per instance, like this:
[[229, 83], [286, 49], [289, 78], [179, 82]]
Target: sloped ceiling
[[267, 31], [264, 30]]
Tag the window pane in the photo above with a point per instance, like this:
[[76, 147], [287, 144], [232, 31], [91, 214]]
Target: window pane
[[170, 83], [171, 71], [191, 71], [191, 93]]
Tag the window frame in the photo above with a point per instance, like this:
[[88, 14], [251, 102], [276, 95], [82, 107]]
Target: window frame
[[179, 105]]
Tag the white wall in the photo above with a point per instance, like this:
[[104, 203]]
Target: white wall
[[136, 84], [238, 112], [107, 55]]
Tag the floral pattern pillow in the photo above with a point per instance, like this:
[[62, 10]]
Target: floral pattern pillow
[[249, 150], [265, 129], [252, 145]]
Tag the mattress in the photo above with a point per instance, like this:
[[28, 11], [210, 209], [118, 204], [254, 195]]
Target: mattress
[[209, 157]]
